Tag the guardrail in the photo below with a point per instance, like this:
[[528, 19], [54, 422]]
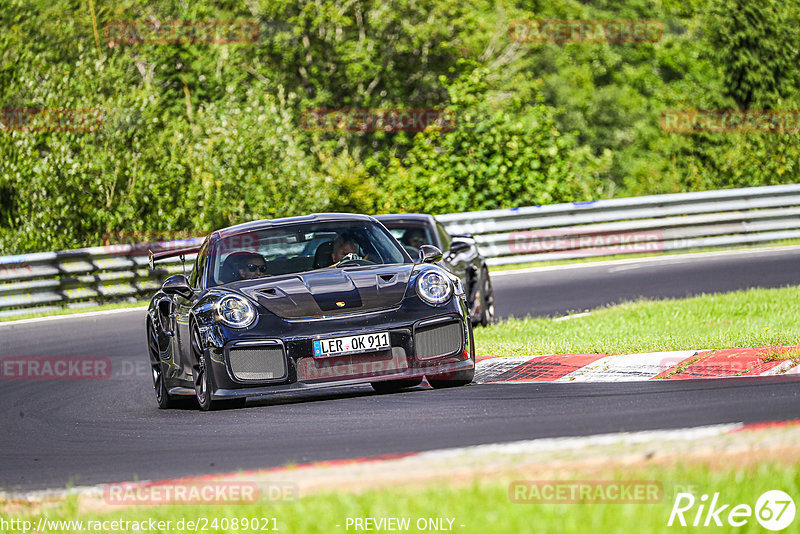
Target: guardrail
[[90, 276], [646, 224], [82, 278]]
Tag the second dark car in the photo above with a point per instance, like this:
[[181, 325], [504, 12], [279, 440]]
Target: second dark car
[[461, 257]]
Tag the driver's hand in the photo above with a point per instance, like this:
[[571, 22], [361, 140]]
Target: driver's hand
[[350, 257]]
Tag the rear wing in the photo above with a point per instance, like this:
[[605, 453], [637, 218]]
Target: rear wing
[[158, 256]]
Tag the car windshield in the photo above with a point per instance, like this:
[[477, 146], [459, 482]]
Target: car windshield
[[302, 247], [411, 235]]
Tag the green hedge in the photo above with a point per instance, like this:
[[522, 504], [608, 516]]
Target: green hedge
[[199, 136]]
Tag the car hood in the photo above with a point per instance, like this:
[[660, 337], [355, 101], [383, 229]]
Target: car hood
[[330, 291]]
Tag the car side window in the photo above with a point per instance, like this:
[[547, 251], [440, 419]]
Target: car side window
[[444, 237], [199, 265]]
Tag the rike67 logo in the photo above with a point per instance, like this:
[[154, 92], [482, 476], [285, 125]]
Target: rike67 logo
[[774, 510]]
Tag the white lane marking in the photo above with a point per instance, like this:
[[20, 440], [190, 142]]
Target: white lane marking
[[622, 268], [793, 371], [628, 367], [72, 316], [671, 258], [573, 316], [558, 444], [786, 367]]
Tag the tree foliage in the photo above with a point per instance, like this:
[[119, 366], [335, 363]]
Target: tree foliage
[[196, 136]]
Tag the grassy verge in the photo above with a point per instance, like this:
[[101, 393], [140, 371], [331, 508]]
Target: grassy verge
[[484, 506], [73, 311], [752, 318], [594, 259]]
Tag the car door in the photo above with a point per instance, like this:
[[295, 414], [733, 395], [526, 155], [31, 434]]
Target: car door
[[183, 313], [165, 325]]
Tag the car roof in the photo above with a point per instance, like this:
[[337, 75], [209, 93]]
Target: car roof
[[271, 223], [406, 217]]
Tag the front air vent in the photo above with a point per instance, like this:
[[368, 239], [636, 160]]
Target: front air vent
[[436, 341], [258, 363]]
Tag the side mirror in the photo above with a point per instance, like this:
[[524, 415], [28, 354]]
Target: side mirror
[[457, 246], [429, 254], [177, 284]]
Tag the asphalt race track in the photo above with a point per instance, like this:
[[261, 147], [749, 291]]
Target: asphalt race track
[[85, 432], [561, 291]]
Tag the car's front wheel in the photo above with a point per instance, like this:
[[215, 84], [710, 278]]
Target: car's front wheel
[[163, 398], [202, 382], [202, 379], [487, 298]]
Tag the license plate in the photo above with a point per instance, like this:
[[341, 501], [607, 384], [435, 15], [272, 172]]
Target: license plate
[[337, 346]]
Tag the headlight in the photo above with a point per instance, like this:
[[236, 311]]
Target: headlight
[[235, 311], [433, 287]]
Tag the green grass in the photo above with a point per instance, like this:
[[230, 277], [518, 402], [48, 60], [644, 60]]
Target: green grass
[[793, 355], [752, 318], [594, 259], [72, 311], [485, 506]]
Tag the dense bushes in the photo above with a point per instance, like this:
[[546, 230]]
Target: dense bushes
[[198, 136]]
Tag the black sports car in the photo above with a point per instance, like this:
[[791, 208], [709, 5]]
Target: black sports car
[[461, 257], [306, 302]]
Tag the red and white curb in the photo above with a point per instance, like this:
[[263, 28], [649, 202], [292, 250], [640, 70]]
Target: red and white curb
[[756, 361]]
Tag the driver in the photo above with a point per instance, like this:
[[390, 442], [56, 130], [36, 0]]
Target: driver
[[249, 265], [344, 245], [414, 237]]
